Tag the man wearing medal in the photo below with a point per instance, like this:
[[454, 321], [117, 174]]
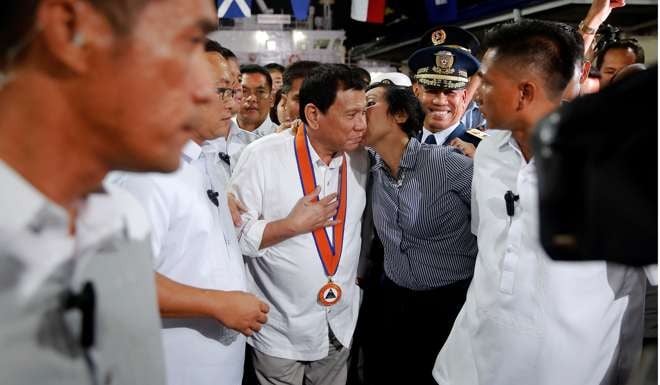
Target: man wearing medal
[[305, 196]]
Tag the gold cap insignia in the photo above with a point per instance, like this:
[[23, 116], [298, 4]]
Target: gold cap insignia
[[444, 60], [438, 37]]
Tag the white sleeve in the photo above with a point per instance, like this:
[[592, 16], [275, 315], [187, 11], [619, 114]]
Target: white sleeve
[[248, 184], [144, 188], [652, 274]]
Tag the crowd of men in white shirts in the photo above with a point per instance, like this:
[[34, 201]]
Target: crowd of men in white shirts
[[165, 220]]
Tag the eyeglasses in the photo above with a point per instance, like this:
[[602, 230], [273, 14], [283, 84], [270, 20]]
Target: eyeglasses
[[259, 93], [225, 93]]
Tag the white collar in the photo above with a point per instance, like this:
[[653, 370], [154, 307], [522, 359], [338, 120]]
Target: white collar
[[23, 203], [441, 135], [191, 151], [334, 162], [264, 128]]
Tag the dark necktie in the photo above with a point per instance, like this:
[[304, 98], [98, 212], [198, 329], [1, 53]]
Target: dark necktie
[[430, 139]]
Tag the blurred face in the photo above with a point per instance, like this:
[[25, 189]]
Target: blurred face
[[498, 93], [277, 80], [572, 90], [257, 100], [235, 71], [281, 112], [142, 93], [216, 116], [590, 86], [613, 61], [292, 100], [443, 108], [379, 122], [343, 126], [471, 88]]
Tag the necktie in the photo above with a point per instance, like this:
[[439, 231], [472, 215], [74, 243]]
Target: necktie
[[430, 139]]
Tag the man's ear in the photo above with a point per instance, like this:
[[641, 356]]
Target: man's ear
[[527, 91], [312, 115], [417, 89], [464, 97], [69, 29]]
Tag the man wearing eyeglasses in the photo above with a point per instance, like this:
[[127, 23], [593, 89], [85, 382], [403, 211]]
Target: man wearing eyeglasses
[[200, 276]]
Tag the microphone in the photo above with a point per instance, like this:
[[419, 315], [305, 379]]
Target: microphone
[[85, 301], [213, 196], [509, 199], [225, 158]]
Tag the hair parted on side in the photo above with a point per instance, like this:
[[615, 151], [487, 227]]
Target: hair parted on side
[[546, 47], [322, 83]]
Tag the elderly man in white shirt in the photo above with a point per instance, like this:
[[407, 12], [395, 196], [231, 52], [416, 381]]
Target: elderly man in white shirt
[[529, 319], [200, 273], [306, 268]]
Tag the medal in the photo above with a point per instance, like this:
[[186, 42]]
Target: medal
[[330, 254], [329, 294]]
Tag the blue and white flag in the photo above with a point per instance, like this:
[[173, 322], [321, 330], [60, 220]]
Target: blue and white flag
[[234, 8], [300, 9]]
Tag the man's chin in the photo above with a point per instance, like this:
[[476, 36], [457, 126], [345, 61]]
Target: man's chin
[[164, 164], [352, 146]]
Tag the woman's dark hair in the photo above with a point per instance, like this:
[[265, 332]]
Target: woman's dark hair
[[273, 110], [402, 100]]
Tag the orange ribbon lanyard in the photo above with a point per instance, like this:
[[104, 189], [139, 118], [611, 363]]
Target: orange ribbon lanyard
[[330, 254]]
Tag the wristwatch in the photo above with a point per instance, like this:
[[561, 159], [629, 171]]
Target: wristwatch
[[585, 29]]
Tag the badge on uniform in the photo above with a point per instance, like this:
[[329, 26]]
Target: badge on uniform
[[444, 60], [478, 133], [438, 36]]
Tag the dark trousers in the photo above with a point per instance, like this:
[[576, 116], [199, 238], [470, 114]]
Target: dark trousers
[[405, 329]]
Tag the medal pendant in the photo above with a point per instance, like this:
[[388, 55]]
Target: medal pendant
[[329, 294]]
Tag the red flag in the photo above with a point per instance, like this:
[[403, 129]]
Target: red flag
[[371, 11]]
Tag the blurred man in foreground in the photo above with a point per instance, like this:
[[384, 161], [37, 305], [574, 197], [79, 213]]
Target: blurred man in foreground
[[118, 85]]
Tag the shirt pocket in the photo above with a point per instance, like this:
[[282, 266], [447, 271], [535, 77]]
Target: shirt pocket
[[508, 274]]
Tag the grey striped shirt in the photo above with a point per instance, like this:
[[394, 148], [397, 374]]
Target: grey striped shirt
[[423, 217]]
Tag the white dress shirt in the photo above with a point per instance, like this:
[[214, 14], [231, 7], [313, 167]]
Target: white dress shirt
[[40, 260], [529, 319], [440, 136], [194, 244], [238, 138], [289, 274]]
